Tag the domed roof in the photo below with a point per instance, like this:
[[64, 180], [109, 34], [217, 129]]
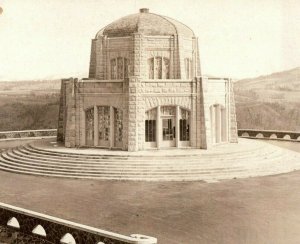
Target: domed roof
[[145, 23]]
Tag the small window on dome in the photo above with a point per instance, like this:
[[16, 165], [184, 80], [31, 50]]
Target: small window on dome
[[158, 68], [119, 68], [113, 69]]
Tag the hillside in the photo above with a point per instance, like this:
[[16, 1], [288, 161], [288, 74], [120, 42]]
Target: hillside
[[29, 104], [266, 102], [29, 87], [277, 87], [270, 101]]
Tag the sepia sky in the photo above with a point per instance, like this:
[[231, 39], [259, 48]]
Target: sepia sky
[[44, 39]]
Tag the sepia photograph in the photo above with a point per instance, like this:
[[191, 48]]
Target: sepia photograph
[[149, 122]]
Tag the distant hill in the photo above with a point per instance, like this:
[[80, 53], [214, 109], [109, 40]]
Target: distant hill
[[30, 86], [269, 101], [266, 102], [277, 87], [289, 78]]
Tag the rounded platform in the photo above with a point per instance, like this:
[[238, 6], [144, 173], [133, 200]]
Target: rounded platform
[[248, 158]]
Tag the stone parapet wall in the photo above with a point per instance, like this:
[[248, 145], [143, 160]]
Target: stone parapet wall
[[27, 227], [269, 134], [8, 135]]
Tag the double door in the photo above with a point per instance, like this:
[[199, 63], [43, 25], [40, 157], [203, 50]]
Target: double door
[[168, 131]]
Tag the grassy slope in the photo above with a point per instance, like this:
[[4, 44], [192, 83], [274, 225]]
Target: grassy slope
[[29, 104]]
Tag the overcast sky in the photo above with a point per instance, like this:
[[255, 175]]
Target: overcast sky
[[237, 38]]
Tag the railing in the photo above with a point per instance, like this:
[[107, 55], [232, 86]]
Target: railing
[[269, 134], [28, 134], [24, 226]]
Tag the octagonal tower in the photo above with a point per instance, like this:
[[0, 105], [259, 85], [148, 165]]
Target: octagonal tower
[[145, 90]]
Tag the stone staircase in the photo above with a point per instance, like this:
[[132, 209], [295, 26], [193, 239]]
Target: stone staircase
[[247, 159]]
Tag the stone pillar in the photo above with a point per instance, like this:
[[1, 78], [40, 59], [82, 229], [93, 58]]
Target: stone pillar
[[96, 124], [213, 124], [177, 125], [203, 122], [132, 115], [218, 124], [111, 127], [61, 128], [135, 118], [82, 128], [224, 125], [71, 90], [93, 60], [233, 135], [158, 127]]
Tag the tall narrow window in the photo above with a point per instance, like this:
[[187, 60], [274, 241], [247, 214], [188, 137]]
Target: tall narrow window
[[184, 127], [150, 130], [151, 68], [113, 69], [120, 68], [89, 125], [150, 126], [166, 69], [104, 123], [126, 67], [118, 132], [158, 68]]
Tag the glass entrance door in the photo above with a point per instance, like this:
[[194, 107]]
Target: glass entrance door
[[168, 132]]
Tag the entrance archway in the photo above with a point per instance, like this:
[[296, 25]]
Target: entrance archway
[[218, 120], [167, 126]]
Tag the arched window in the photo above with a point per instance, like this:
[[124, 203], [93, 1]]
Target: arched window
[[119, 68], [158, 68], [188, 68]]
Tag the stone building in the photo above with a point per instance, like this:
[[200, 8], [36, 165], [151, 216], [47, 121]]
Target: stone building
[[145, 90]]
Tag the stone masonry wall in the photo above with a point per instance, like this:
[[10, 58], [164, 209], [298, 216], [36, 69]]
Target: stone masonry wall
[[164, 93], [70, 115], [218, 91], [95, 93], [61, 114]]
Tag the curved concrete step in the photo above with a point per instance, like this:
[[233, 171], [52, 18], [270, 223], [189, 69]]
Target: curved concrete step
[[8, 160], [187, 153], [263, 152], [229, 162], [145, 163]]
